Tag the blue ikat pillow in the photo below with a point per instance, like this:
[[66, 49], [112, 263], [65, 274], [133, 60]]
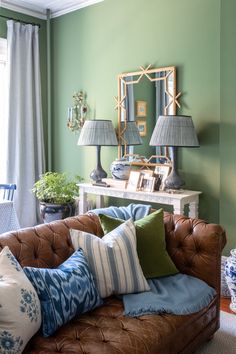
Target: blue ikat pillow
[[64, 292]]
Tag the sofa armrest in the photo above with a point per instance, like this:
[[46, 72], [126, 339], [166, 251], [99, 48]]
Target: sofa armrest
[[195, 246]]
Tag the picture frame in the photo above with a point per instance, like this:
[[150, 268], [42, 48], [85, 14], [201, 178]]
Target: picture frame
[[161, 172], [144, 174], [147, 173], [148, 184], [133, 181], [142, 127], [141, 108]]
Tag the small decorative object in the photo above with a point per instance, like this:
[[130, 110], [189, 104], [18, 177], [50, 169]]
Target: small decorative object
[[98, 133], [142, 127], [141, 108], [134, 181], [77, 113], [56, 194], [230, 277], [120, 168]]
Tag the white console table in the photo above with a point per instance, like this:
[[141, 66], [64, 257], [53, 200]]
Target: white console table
[[177, 200]]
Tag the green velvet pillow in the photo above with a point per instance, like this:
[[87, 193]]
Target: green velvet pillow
[[151, 247]]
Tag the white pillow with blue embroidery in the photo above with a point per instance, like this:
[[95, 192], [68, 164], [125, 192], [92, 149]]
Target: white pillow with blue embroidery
[[20, 313], [64, 292]]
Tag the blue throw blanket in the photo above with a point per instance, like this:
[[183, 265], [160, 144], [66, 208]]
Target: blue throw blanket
[[178, 294], [133, 211]]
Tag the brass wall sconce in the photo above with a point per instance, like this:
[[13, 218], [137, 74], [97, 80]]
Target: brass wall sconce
[[78, 112]]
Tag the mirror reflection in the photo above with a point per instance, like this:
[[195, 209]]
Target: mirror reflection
[[143, 96]]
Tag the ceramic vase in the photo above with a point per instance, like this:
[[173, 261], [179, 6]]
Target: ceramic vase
[[230, 276], [120, 169], [51, 212]]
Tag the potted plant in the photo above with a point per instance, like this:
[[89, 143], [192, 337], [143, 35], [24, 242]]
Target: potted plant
[[56, 193]]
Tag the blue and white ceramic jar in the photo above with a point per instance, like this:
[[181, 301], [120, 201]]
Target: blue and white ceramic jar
[[230, 277], [120, 169]]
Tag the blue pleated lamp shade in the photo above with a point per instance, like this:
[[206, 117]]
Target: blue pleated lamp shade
[[98, 132], [131, 134], [174, 131]]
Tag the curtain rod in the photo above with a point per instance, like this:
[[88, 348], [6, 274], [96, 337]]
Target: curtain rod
[[17, 20]]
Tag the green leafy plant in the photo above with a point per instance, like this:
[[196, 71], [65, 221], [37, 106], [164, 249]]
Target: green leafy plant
[[56, 188]]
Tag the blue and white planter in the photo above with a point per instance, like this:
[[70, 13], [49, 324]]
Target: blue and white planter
[[230, 277], [120, 169], [51, 212]]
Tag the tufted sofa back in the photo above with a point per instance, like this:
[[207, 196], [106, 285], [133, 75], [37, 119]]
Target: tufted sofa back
[[47, 245], [194, 245]]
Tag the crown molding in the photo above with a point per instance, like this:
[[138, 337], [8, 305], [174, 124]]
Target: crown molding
[[72, 8], [35, 12], [40, 13]]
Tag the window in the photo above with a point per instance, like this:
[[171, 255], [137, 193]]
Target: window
[[3, 107]]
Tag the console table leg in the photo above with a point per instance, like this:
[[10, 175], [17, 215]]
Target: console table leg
[[99, 201], [193, 210], [178, 208], [82, 202]]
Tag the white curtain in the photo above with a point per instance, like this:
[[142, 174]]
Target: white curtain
[[25, 147], [3, 108]]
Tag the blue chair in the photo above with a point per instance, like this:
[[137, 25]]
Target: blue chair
[[7, 191]]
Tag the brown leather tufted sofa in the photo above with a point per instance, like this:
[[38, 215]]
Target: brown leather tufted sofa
[[194, 246]]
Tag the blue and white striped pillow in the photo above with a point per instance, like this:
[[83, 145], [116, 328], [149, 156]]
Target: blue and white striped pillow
[[113, 260]]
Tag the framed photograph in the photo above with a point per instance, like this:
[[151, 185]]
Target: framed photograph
[[141, 108], [144, 174], [147, 173], [148, 184], [142, 127], [161, 172], [133, 181]]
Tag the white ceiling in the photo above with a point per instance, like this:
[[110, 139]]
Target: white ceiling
[[38, 8]]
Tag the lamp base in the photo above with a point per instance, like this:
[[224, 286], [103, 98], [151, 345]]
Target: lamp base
[[173, 181], [98, 174]]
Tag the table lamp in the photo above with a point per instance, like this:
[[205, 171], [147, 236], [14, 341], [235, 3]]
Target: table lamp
[[174, 131], [98, 133], [131, 135]]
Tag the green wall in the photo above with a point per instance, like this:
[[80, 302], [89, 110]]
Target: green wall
[[92, 46], [228, 121]]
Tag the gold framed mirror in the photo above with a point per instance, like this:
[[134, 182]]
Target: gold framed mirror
[[142, 96]]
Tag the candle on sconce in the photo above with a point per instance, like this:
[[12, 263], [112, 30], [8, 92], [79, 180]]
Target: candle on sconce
[[71, 114]]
